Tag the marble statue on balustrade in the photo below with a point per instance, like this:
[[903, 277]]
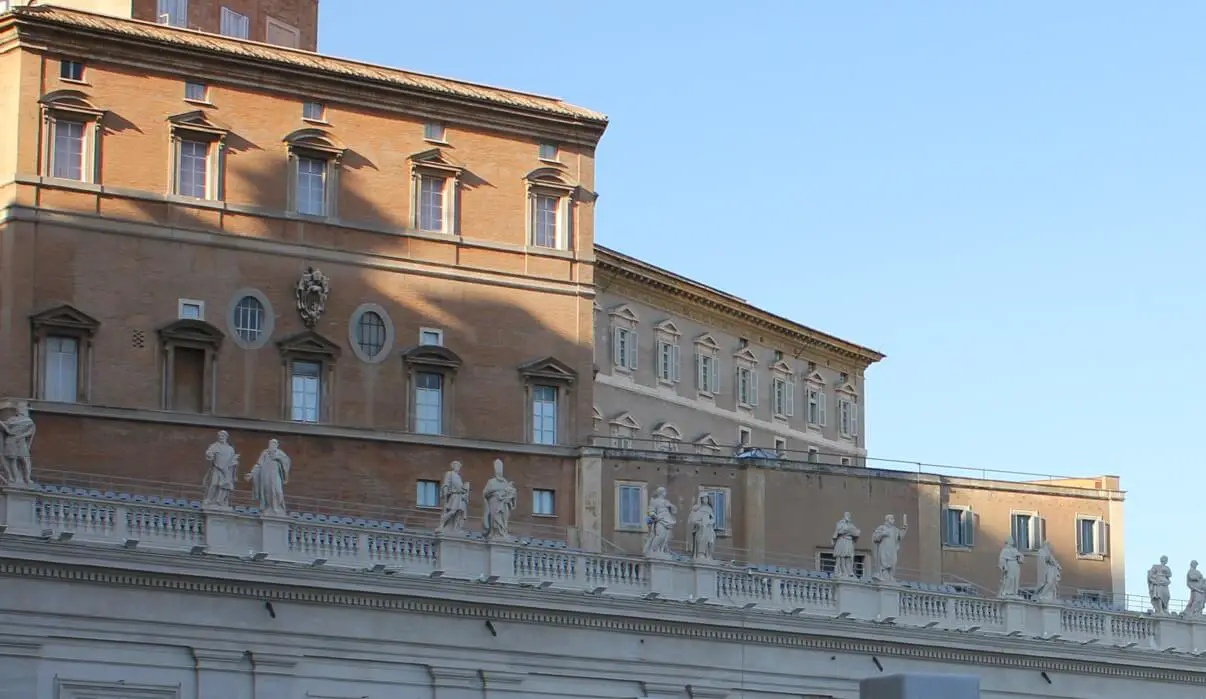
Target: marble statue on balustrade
[[1010, 563], [661, 521], [16, 443], [1049, 574], [845, 534], [1197, 590], [454, 495], [500, 496], [701, 525], [1159, 577], [221, 475], [886, 538], [269, 477]]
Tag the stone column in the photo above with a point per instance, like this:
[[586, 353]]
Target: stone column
[[222, 674], [920, 686], [19, 663], [455, 683]]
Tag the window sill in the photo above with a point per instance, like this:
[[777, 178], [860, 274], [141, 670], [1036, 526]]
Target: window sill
[[429, 508], [540, 515], [551, 161], [745, 406], [632, 530], [1090, 557], [320, 122], [203, 103], [781, 417], [956, 547], [438, 141], [75, 82], [196, 201], [815, 427]]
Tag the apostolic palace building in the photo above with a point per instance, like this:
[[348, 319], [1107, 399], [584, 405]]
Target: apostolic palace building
[[254, 303]]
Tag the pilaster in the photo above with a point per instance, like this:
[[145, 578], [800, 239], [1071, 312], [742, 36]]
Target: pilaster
[[222, 674], [273, 675], [590, 500], [19, 665]]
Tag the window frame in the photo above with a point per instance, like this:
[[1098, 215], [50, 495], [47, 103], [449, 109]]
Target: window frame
[[197, 127], [171, 21], [309, 346], [724, 521], [435, 487], [322, 112], [314, 144], [269, 319], [668, 438], [559, 376], [227, 16], [435, 132], [431, 359], [667, 354], [623, 324], [438, 332], [354, 333], [816, 402], [707, 352], [1101, 537], [783, 391], [431, 164], [74, 107], [967, 528], [203, 99], [190, 334], [549, 182], [64, 321], [643, 496], [745, 366], [1037, 528], [271, 23], [68, 65], [546, 156], [537, 494], [619, 439]]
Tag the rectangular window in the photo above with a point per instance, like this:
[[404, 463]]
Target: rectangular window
[[67, 159], [431, 203], [71, 70], [848, 417], [624, 349], [427, 494], [429, 403], [306, 384], [720, 506], [747, 386], [816, 408], [433, 131], [780, 445], [667, 361], [708, 380], [542, 502], [1026, 529], [311, 186], [630, 506], [1092, 536], [958, 527], [745, 436], [314, 111], [173, 12], [61, 379], [785, 397], [196, 92], [192, 173], [827, 563], [190, 310], [235, 24], [281, 34], [548, 151], [544, 414], [429, 336], [544, 223]]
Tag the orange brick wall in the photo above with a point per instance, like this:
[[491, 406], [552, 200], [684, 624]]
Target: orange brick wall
[[205, 15]]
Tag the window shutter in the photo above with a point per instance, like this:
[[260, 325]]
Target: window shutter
[[853, 419], [1080, 536], [659, 349], [789, 393], [753, 388], [1103, 529], [821, 408], [737, 384], [632, 350], [1040, 534], [969, 528], [615, 347], [701, 382], [946, 525], [715, 374], [675, 364]]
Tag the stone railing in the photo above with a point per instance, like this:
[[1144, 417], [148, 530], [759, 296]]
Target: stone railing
[[165, 525]]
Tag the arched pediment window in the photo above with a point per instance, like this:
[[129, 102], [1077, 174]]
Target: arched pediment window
[[71, 136], [315, 160], [551, 199]]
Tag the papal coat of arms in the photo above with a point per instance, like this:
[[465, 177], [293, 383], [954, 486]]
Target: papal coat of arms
[[312, 291]]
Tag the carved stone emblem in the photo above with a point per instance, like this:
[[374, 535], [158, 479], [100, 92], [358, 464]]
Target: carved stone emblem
[[312, 291]]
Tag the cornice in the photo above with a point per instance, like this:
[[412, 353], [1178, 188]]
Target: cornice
[[609, 263], [441, 598], [154, 48]]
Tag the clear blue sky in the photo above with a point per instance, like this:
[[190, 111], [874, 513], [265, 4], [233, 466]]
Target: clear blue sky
[[1005, 198]]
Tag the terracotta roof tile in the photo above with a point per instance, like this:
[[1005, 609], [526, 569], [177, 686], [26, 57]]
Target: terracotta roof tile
[[242, 48]]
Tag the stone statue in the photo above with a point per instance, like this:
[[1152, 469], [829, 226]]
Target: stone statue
[[269, 477], [1197, 590], [1049, 573], [887, 538], [660, 519], [701, 524], [312, 290], [1159, 577], [454, 494], [844, 536], [500, 498], [16, 441], [1010, 563], [223, 467]]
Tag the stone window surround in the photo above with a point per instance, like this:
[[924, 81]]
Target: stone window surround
[[644, 490], [199, 126], [1037, 527], [744, 359], [847, 394], [781, 372], [269, 319], [64, 320], [313, 142], [666, 334], [434, 163], [76, 689], [188, 333], [814, 382], [728, 501], [72, 105], [708, 444], [667, 437], [968, 526], [623, 318], [551, 182], [623, 421], [1101, 533], [706, 346], [354, 330], [549, 371], [435, 359], [309, 346], [552, 513]]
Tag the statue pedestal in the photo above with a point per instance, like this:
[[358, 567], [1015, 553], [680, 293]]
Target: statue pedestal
[[460, 555], [1172, 632], [17, 510], [674, 580], [1015, 615], [1050, 618], [859, 600], [274, 534]]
